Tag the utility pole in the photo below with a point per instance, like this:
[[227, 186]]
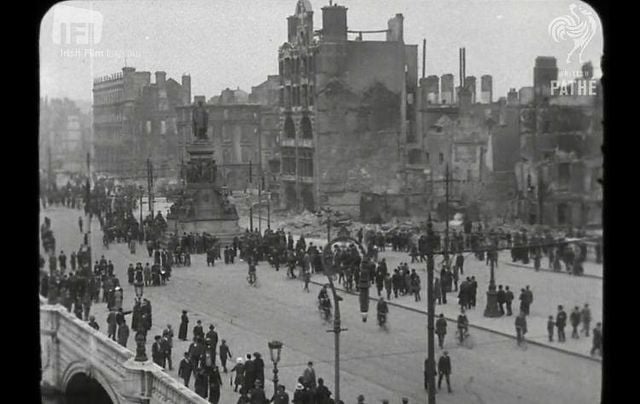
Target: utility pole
[[150, 185], [88, 235], [431, 377]]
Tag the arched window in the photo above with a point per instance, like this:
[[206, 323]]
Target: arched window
[[307, 131], [289, 128]]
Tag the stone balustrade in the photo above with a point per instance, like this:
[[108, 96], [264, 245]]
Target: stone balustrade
[[69, 346]]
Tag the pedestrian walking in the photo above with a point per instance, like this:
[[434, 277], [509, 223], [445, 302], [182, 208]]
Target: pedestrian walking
[[561, 322], [501, 296], [80, 223], [184, 326], [198, 331], [123, 333], [157, 353], [185, 368], [585, 317], [307, 278], [574, 318], [215, 384], [93, 324], [281, 396], [309, 376], [239, 376], [597, 340], [508, 298], [444, 370], [225, 354], [167, 345], [441, 330], [111, 325], [201, 384]]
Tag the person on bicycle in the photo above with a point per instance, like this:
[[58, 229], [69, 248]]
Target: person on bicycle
[[382, 310], [252, 271], [323, 293], [463, 325]]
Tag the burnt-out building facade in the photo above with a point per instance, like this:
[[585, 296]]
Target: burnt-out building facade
[[135, 120], [560, 150], [347, 110]]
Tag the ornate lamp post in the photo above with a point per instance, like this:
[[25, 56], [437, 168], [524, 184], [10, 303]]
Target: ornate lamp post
[[141, 334], [491, 310], [275, 347]]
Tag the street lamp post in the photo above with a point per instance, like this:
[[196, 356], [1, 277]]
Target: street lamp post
[[141, 335], [491, 310], [275, 347]]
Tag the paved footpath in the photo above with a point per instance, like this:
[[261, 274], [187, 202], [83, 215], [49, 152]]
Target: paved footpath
[[378, 364]]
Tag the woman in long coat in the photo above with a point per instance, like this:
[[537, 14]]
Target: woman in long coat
[[184, 326]]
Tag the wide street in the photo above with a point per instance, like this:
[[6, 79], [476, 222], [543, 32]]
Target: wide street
[[378, 364]]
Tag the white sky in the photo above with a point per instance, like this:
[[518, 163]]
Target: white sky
[[230, 43]]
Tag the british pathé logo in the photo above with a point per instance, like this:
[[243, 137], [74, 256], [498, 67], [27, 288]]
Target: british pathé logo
[[76, 26], [580, 25]]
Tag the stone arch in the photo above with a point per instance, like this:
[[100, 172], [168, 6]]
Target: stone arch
[[83, 367], [305, 125], [289, 128]]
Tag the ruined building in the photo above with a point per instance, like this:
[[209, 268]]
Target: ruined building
[[347, 110], [135, 120], [560, 153]]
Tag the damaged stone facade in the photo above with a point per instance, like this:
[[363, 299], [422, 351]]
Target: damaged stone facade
[[347, 109], [561, 160]]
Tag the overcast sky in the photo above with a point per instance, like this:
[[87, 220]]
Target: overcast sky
[[231, 43]]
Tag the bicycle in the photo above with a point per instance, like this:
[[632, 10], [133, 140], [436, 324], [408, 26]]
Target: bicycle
[[466, 340], [325, 311]]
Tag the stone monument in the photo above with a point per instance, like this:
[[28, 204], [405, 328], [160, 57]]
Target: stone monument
[[203, 207]]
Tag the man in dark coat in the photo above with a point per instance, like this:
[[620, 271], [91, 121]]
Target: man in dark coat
[[184, 326], [157, 353], [249, 374], [281, 396], [258, 364], [444, 370], [322, 395], [429, 370], [215, 383], [225, 354], [441, 329], [257, 394], [201, 385], [196, 349], [508, 298], [561, 322], [597, 339], [521, 327], [502, 298], [185, 368], [197, 330]]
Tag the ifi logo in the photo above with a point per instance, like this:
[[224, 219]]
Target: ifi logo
[[579, 26], [76, 26]]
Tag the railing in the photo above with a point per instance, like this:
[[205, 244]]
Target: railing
[[81, 342]]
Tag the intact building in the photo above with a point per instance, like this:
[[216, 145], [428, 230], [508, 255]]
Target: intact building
[[347, 110], [135, 120]]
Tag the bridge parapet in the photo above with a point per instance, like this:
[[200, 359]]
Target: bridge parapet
[[69, 346]]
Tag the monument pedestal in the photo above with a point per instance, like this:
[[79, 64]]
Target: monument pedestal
[[203, 207]]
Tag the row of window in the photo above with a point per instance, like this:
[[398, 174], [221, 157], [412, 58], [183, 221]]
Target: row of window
[[296, 96], [305, 162], [414, 157], [108, 96], [305, 127], [296, 66]]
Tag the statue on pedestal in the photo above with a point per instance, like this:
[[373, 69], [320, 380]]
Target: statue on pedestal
[[200, 121]]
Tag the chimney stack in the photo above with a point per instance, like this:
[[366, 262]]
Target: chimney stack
[[186, 89], [486, 89]]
